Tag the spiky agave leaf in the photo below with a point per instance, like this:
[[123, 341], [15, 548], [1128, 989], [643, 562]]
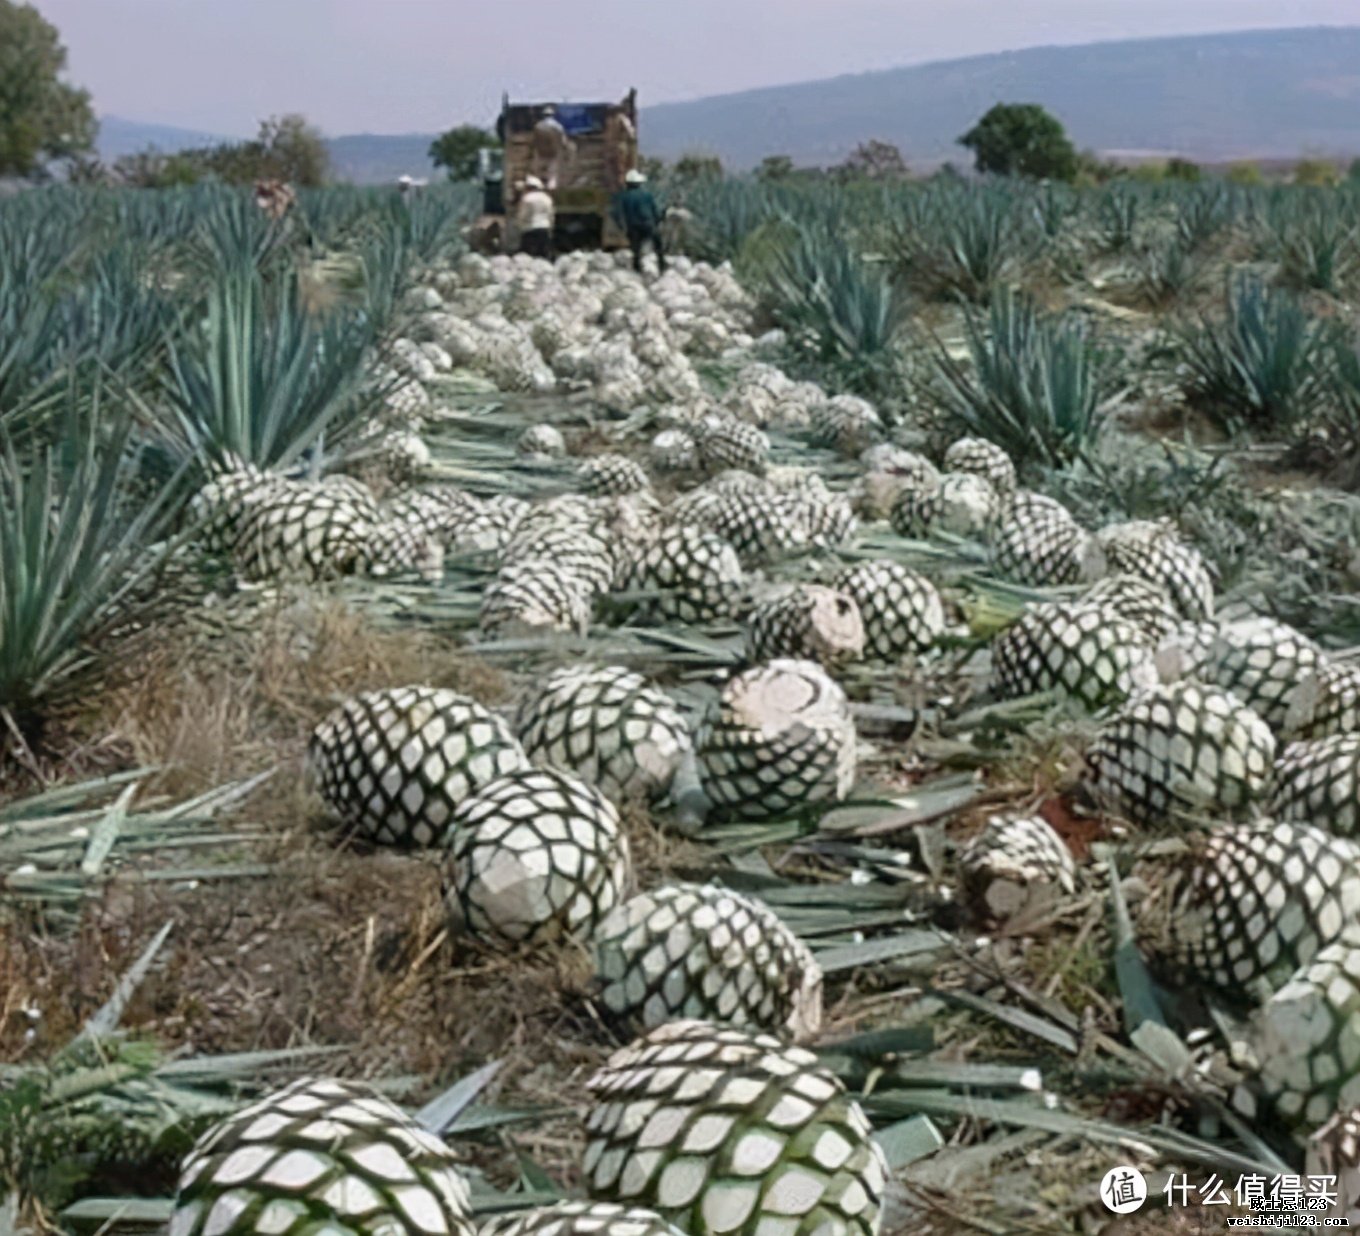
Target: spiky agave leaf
[[1264, 364], [259, 380], [1037, 387], [74, 561]]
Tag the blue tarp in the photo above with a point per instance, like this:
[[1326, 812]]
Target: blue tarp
[[576, 118]]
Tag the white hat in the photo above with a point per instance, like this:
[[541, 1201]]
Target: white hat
[[532, 182], [635, 177]]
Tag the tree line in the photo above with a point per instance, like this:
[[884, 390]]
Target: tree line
[[46, 122]]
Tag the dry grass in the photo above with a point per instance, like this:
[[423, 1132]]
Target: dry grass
[[248, 699]]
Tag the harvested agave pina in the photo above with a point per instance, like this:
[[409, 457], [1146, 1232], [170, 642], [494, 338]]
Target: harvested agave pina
[[1243, 906], [533, 595], [1325, 702], [687, 951], [721, 1131], [395, 764], [901, 612], [1318, 782], [536, 855], [1154, 552], [1140, 601], [805, 621], [984, 459], [1040, 543], [1306, 1038], [780, 738], [846, 423], [1181, 747], [321, 1156], [609, 727], [725, 442], [612, 474], [1016, 865], [961, 503], [695, 575], [1261, 662], [581, 1219], [1085, 652], [542, 442]]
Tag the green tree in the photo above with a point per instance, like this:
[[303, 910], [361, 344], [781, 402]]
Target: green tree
[[1248, 175], [1022, 139], [1353, 172], [696, 167], [1321, 173], [457, 150], [41, 117], [874, 160], [1183, 170], [775, 167], [291, 149]]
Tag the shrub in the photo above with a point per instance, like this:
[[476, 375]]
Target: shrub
[[1321, 173], [1245, 175]]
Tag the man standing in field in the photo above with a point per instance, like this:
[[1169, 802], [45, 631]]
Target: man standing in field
[[636, 211], [537, 214], [550, 146]]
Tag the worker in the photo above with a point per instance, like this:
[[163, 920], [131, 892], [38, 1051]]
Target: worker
[[620, 146], [275, 198], [635, 210], [550, 146], [537, 214]]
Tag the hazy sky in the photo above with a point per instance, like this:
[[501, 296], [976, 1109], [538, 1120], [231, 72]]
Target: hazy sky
[[392, 66]]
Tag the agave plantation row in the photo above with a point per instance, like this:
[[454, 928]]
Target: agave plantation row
[[846, 570]]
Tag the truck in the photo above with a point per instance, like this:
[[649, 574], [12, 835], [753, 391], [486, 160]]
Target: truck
[[585, 179]]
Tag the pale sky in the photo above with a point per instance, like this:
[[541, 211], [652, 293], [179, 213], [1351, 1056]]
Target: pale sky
[[396, 66]]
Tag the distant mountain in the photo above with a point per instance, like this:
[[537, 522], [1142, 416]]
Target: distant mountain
[[1276, 93], [1270, 94], [364, 158], [119, 137], [374, 158]]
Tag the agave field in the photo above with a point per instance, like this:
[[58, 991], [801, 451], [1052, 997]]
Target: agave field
[[859, 733]]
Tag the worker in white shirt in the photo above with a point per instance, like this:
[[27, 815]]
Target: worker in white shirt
[[537, 214], [551, 146]]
